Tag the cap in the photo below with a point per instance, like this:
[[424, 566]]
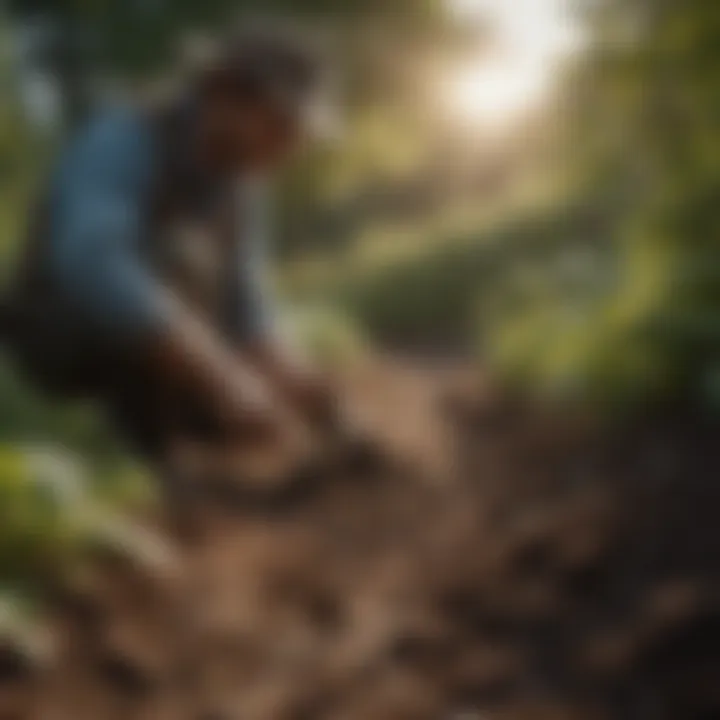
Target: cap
[[275, 66]]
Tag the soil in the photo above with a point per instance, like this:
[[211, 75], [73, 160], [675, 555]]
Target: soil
[[507, 562]]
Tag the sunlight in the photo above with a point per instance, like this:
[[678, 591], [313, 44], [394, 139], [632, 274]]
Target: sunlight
[[495, 91], [502, 84]]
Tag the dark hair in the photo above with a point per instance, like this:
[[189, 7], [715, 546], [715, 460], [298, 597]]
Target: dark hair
[[267, 65]]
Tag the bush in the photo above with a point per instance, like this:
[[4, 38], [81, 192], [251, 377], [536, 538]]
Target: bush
[[50, 518], [327, 335]]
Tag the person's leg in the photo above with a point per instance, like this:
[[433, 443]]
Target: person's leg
[[164, 425], [150, 419], [132, 399]]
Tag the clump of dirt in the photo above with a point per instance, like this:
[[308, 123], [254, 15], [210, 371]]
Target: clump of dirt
[[511, 563]]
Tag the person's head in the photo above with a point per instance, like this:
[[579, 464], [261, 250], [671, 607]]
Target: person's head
[[256, 100]]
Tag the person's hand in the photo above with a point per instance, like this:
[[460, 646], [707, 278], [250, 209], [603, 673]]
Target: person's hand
[[265, 443], [345, 435], [247, 411], [189, 356], [312, 395]]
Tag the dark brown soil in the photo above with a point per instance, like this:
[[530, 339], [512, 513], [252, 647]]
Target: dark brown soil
[[509, 564]]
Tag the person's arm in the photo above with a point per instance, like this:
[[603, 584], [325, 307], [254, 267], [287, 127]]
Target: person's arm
[[252, 307], [97, 215], [255, 322]]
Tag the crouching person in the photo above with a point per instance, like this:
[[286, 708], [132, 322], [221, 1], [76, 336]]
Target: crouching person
[[144, 284]]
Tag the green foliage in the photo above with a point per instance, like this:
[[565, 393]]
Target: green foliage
[[615, 292], [328, 336], [649, 328], [26, 415], [51, 517]]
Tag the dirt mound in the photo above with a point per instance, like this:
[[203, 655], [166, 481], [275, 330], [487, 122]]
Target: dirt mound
[[510, 564]]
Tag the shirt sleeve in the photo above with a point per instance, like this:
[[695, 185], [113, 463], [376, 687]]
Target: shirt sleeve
[[96, 224], [253, 308]]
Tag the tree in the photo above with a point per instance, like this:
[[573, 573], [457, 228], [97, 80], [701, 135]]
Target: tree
[[647, 156]]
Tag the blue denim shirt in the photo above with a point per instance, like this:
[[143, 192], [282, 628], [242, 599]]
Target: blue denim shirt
[[97, 211]]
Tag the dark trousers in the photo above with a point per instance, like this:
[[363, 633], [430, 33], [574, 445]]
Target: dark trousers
[[150, 410], [70, 362]]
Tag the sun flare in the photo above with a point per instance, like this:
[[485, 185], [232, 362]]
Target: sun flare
[[499, 86], [494, 92]]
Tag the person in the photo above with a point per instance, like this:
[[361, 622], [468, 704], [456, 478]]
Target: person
[[144, 285]]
